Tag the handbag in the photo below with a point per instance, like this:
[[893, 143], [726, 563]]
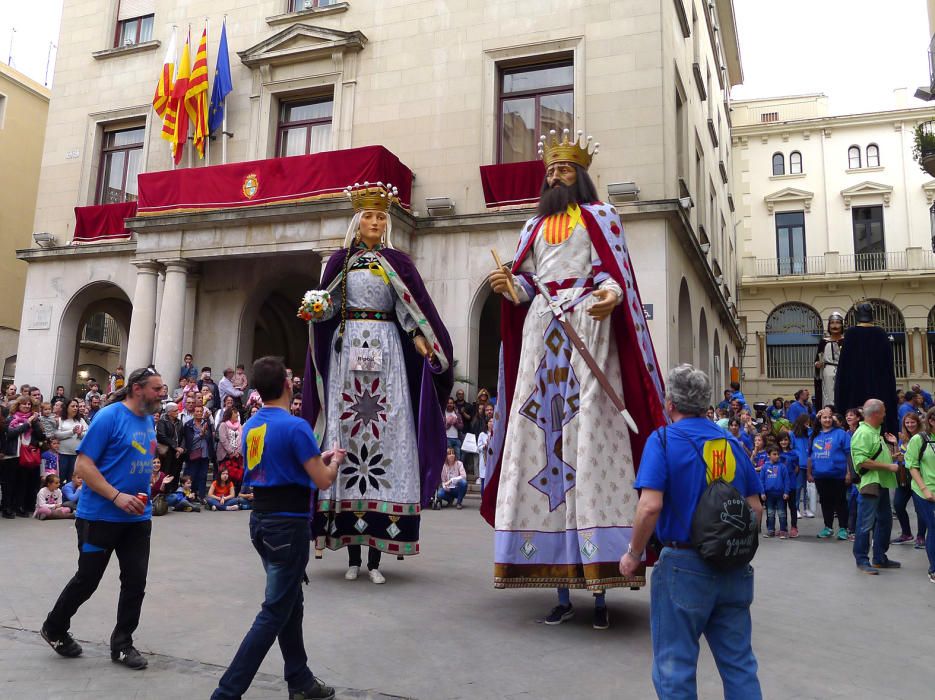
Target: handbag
[[469, 444], [29, 455]]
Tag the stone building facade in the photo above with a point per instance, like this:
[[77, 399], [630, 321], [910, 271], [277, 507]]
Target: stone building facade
[[24, 106], [445, 86], [833, 210]]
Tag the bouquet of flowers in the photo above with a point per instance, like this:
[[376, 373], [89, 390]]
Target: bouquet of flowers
[[315, 305]]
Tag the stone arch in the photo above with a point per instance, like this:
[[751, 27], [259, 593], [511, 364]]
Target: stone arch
[[717, 380], [483, 361], [686, 338], [888, 316], [793, 330], [704, 361], [97, 297]]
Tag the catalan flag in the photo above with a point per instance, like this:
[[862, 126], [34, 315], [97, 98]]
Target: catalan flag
[[558, 228], [179, 134], [166, 80], [196, 96]]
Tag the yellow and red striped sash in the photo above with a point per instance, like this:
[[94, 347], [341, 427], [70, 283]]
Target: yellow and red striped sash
[[557, 228]]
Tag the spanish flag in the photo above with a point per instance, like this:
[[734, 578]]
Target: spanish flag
[[179, 133], [196, 96], [166, 80]]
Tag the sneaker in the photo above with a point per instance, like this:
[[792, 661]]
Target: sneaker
[[214, 507], [316, 690], [794, 532], [851, 536], [459, 506], [888, 564], [771, 533], [867, 569], [8, 514], [902, 539], [920, 543], [842, 534], [825, 533], [65, 645], [809, 514], [559, 614], [235, 507], [195, 509], [799, 514], [376, 576], [601, 618], [352, 573], [932, 576], [783, 535], [130, 658]]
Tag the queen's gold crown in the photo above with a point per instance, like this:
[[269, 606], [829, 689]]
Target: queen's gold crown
[[553, 150], [371, 196]]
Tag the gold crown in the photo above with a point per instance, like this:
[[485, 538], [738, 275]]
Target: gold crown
[[566, 150], [367, 196]]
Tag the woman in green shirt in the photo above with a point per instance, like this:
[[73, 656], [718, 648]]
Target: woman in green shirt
[[920, 458]]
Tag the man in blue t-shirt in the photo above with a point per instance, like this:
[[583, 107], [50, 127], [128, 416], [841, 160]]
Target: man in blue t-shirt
[[115, 462], [283, 466], [688, 597]]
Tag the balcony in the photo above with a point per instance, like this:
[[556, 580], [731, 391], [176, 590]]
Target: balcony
[[835, 264], [923, 147]]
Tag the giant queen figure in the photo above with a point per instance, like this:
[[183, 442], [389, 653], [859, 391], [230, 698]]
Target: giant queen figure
[[377, 377], [564, 456]]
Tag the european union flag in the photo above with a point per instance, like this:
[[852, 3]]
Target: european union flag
[[222, 84]]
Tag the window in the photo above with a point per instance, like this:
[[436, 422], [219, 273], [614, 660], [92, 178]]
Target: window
[[873, 156], [779, 164], [792, 333], [681, 126], [890, 319], [930, 336], [121, 157], [101, 328], [795, 163], [853, 157], [790, 243], [768, 117], [299, 5], [932, 225], [533, 101], [305, 127], [134, 22], [2, 108], [869, 243]]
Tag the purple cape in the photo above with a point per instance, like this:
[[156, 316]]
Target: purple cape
[[429, 385]]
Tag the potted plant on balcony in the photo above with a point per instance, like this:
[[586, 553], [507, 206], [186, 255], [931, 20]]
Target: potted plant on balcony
[[923, 148]]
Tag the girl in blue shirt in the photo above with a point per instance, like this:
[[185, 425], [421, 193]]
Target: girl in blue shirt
[[790, 458], [801, 434], [827, 468]]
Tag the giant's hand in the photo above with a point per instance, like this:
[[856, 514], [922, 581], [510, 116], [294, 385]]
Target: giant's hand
[[499, 281], [607, 300], [423, 347]]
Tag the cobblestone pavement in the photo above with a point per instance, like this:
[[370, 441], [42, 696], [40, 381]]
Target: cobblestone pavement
[[438, 630]]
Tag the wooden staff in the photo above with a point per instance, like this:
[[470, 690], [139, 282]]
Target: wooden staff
[[509, 280]]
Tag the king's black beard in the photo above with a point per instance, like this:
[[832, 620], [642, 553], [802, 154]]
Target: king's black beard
[[556, 199]]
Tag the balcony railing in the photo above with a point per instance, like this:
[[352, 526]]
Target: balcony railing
[[835, 263]]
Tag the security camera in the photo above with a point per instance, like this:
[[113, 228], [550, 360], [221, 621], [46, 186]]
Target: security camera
[[44, 239], [686, 203]]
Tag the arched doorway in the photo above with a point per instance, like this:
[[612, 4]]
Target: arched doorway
[[685, 325], [792, 334], [719, 369], [488, 344], [93, 334], [890, 319], [704, 363]]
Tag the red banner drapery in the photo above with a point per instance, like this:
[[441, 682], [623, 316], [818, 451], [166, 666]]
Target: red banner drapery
[[104, 222], [512, 183], [274, 181]]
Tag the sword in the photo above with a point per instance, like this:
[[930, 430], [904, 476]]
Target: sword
[[559, 313]]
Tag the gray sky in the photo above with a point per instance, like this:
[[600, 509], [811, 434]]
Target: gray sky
[[855, 51]]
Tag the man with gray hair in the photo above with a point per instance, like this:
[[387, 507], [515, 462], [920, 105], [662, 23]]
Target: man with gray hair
[[689, 597], [873, 456]]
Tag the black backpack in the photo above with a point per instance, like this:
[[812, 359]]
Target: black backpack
[[724, 530]]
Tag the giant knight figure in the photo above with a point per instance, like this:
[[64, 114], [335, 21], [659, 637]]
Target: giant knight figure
[[563, 457], [826, 360]]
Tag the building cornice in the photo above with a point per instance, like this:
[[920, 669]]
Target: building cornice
[[847, 120], [82, 250]]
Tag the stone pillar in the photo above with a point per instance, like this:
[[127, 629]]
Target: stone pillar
[[191, 297], [168, 355], [143, 320], [325, 255]]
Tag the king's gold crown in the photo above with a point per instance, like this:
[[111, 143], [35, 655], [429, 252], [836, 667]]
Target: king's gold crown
[[565, 150], [371, 196]]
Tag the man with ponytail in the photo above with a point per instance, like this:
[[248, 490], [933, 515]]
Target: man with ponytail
[[115, 460]]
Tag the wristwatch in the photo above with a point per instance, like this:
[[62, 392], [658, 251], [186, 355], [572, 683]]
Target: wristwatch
[[636, 555]]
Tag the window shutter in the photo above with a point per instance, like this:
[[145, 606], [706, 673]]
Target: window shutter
[[135, 8]]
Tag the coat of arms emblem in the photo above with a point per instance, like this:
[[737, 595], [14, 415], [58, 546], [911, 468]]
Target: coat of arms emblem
[[250, 186]]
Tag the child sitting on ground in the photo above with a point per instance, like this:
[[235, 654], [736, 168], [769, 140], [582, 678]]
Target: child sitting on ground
[[776, 487], [49, 500], [221, 495], [50, 458], [246, 497], [184, 499], [71, 493]]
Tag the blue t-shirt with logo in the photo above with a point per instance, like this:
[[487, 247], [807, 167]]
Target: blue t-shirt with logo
[[829, 454], [682, 472], [276, 445], [121, 444]]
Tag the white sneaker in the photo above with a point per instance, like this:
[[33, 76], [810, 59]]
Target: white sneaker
[[376, 576], [799, 514], [809, 514], [352, 573]]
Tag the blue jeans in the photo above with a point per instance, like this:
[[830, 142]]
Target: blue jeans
[[873, 515], [66, 467], [216, 502], [775, 505], [455, 443], [283, 546], [197, 469], [690, 599], [926, 511], [852, 495], [451, 494]]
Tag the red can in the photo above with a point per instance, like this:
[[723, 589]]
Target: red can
[[143, 497]]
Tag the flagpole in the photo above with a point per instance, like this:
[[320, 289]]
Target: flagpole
[[224, 116], [207, 136]]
